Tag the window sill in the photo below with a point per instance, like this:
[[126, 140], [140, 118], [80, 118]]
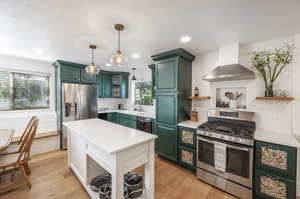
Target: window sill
[[38, 136]]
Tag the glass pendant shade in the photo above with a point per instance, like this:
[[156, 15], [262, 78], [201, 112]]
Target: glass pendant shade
[[118, 58], [91, 69]]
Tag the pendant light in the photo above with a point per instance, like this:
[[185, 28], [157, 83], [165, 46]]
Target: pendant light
[[118, 58], [133, 72], [92, 68]]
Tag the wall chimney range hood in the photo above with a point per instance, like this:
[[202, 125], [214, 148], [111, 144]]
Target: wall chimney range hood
[[229, 69]]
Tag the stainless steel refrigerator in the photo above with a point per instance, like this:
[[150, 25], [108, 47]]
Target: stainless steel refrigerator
[[79, 101]]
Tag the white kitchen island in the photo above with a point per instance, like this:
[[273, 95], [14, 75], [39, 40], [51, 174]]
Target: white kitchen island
[[96, 146]]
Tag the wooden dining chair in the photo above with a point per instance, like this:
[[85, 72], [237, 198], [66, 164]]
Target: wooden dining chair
[[16, 147], [20, 160]]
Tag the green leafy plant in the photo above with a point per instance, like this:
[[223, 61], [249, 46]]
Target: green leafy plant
[[270, 64]]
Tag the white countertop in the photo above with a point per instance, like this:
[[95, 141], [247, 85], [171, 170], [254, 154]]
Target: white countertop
[[190, 124], [110, 137], [277, 138], [135, 113]]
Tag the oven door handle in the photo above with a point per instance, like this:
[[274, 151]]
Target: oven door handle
[[205, 140], [227, 145], [237, 148]]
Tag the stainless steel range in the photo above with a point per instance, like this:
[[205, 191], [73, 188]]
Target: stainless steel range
[[225, 151]]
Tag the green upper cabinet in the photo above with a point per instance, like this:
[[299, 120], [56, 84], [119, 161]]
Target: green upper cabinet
[[166, 73], [124, 85], [73, 73], [112, 84], [86, 77], [173, 74], [106, 86], [70, 74]]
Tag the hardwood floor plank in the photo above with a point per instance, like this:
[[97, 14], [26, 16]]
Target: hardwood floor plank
[[51, 179]]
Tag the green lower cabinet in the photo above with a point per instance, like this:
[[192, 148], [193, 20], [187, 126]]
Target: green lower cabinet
[[167, 142], [268, 186], [187, 157], [132, 124], [111, 117], [123, 121], [187, 137], [279, 159]]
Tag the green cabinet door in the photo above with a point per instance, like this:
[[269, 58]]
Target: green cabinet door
[[187, 157], [124, 86], [123, 121], [110, 117], [87, 78], [166, 108], [106, 86], [70, 74], [116, 118], [167, 75], [167, 146], [99, 85], [187, 137], [276, 159], [268, 186]]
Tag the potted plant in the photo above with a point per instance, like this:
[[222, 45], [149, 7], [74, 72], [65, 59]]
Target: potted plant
[[270, 64]]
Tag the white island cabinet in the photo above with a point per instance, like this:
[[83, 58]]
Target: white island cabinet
[[96, 146]]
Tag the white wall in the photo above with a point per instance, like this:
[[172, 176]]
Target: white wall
[[281, 117], [18, 119]]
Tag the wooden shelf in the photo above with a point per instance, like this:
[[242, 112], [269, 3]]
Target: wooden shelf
[[199, 97], [276, 98]]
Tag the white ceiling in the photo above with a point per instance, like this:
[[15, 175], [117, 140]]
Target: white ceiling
[[63, 29]]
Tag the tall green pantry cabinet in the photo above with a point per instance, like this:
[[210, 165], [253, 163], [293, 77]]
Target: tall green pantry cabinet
[[173, 71]]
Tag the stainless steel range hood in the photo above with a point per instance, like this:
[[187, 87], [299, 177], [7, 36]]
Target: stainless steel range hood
[[229, 73], [229, 68]]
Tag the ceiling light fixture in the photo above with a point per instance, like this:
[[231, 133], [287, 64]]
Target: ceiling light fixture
[[133, 72], [92, 68], [118, 58], [135, 55], [185, 39]]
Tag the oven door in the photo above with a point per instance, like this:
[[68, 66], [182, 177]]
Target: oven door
[[238, 160]]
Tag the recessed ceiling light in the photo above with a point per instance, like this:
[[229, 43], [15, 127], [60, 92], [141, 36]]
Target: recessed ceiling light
[[108, 64], [38, 50], [135, 55], [185, 39]]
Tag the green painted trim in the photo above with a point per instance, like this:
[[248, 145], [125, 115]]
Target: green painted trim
[[173, 53], [62, 62], [113, 72]]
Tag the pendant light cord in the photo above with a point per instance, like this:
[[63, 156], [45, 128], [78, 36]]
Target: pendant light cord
[[93, 56], [119, 40]]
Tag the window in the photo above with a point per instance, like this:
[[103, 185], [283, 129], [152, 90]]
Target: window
[[143, 93], [23, 91]]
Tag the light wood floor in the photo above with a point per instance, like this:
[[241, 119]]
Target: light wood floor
[[51, 179]]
